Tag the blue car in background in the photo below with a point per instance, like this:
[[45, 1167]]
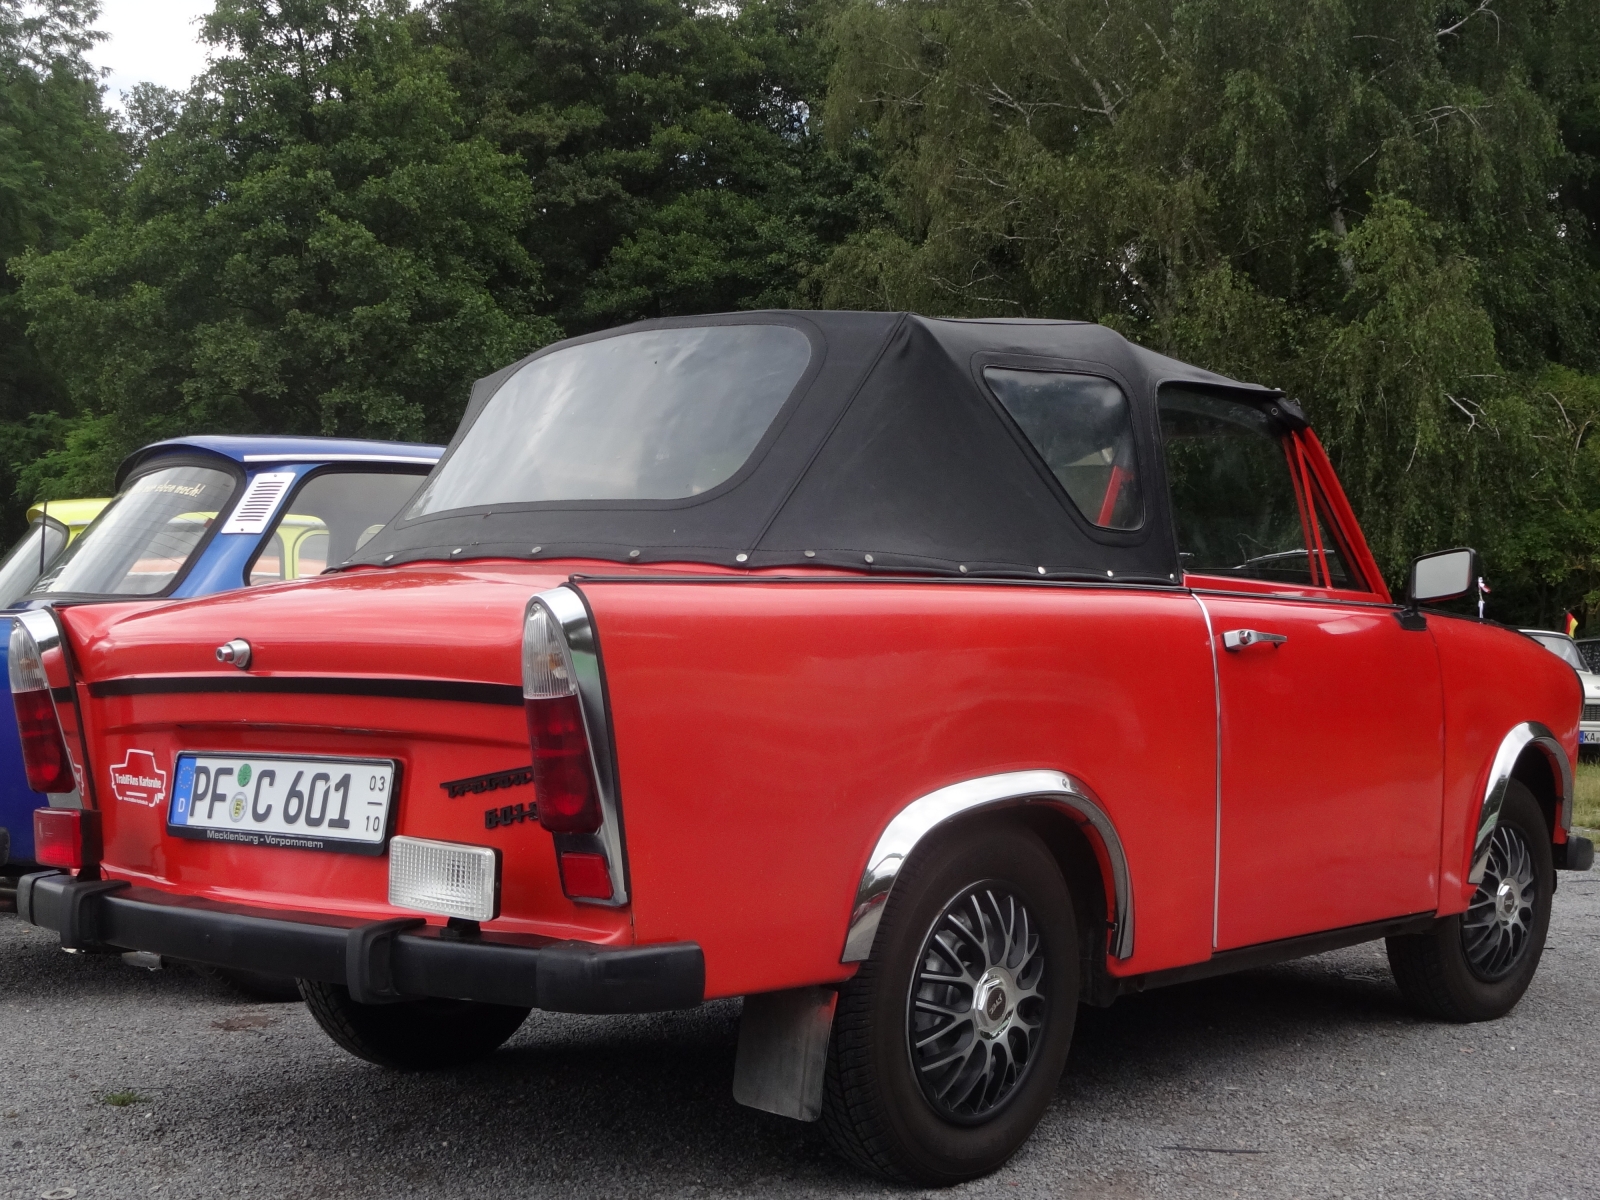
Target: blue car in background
[[193, 516]]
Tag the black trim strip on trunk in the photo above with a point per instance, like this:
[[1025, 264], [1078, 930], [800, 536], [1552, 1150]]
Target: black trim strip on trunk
[[62, 695], [507, 694]]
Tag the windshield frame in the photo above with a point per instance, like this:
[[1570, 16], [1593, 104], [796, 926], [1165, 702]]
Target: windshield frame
[[188, 458], [763, 446], [417, 471]]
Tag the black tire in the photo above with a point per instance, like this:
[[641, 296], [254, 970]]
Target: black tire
[[880, 1111], [252, 985], [1475, 966], [414, 1035]]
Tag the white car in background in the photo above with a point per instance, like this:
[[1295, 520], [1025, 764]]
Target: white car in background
[[1567, 650]]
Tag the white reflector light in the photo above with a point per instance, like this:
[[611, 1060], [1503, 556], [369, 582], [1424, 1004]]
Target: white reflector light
[[446, 878]]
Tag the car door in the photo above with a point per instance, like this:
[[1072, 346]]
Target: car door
[[1330, 777]]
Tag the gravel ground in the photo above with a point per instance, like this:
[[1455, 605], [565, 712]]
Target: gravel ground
[[1309, 1079]]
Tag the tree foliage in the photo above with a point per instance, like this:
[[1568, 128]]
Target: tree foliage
[[314, 245], [362, 205], [59, 159], [1387, 207], [669, 144], [1384, 206]]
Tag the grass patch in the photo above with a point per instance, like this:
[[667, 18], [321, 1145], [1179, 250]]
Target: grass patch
[[1586, 806], [123, 1099]]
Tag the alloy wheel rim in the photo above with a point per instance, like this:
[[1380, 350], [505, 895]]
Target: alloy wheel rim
[[1498, 925], [976, 1011]]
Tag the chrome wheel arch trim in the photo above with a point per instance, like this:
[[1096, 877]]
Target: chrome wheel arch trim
[[1528, 734], [1013, 789], [572, 618]]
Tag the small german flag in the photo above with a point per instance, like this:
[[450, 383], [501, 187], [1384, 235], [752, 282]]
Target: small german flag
[[1572, 625]]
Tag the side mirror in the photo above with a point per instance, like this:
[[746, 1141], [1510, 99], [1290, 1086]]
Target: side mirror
[[1443, 576]]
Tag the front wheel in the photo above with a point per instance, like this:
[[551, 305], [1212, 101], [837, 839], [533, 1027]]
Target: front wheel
[[1475, 966], [949, 1042], [411, 1034]]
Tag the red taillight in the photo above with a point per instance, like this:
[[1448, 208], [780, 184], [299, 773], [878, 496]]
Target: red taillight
[[66, 837], [571, 804], [585, 876], [562, 775], [44, 752]]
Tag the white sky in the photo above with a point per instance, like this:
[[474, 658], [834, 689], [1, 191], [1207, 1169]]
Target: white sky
[[152, 41]]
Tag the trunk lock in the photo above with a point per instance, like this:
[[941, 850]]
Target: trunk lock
[[236, 652]]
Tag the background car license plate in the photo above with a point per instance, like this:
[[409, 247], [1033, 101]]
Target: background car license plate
[[1588, 737], [273, 800]]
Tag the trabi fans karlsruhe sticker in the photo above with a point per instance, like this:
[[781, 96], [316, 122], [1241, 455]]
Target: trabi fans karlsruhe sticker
[[138, 780]]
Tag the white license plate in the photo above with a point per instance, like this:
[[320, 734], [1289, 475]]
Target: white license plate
[[274, 800], [1589, 737]]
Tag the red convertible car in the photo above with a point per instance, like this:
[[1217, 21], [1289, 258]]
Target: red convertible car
[[916, 680]]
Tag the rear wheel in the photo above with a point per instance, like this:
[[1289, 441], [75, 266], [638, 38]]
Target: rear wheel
[[1475, 966], [948, 1044], [411, 1034]]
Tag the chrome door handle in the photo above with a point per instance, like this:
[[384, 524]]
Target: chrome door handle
[[1238, 639]]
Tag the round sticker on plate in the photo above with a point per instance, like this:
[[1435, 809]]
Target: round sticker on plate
[[244, 774], [236, 809]]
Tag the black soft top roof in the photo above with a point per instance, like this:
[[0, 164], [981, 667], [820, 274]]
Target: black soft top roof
[[890, 455]]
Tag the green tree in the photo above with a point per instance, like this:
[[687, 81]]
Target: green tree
[[314, 243], [1386, 207], [59, 159], [670, 145]]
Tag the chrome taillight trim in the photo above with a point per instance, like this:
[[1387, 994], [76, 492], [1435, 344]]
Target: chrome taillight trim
[[42, 628], [1014, 788], [571, 617], [1529, 734]]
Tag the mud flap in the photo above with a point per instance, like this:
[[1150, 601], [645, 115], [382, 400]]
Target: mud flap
[[783, 1051]]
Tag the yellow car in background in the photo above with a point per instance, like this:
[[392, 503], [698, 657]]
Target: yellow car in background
[[53, 525], [296, 549], [299, 548]]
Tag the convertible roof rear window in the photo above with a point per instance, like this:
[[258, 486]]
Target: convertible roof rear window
[[661, 414]]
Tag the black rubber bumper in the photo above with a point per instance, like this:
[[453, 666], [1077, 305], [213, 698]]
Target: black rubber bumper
[[377, 960]]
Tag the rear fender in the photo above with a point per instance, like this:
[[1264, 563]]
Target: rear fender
[[913, 824]]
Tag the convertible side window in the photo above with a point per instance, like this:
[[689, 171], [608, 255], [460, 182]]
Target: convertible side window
[[1082, 427], [1234, 502]]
